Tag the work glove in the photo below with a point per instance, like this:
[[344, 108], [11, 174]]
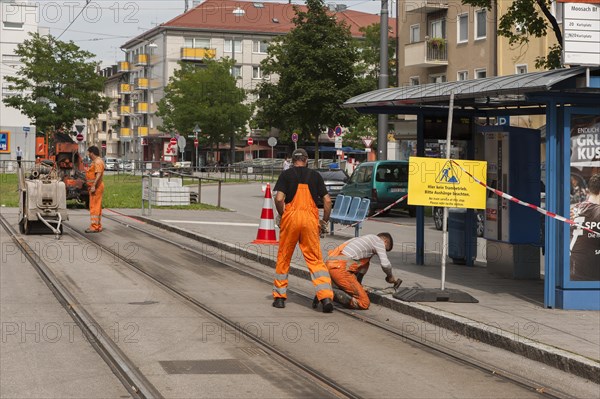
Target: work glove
[[323, 226]]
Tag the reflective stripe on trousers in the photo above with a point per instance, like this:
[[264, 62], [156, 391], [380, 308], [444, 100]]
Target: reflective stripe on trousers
[[300, 225], [96, 208]]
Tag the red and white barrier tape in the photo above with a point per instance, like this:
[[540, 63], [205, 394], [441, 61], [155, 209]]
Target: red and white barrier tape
[[534, 207]]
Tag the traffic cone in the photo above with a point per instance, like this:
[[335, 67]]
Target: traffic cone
[[266, 229]]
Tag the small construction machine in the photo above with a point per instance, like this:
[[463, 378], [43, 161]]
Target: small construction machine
[[42, 200], [63, 152]]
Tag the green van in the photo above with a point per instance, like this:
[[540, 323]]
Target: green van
[[383, 182]]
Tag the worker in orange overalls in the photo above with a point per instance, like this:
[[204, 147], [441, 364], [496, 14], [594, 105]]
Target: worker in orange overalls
[[349, 262], [298, 189], [95, 185]]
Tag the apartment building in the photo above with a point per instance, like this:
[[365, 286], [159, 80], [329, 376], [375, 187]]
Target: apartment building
[[214, 29], [17, 20]]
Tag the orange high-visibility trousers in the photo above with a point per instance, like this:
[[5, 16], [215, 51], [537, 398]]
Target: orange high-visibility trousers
[[96, 208], [343, 272], [300, 225]]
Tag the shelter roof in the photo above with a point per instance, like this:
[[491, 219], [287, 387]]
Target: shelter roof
[[488, 93]]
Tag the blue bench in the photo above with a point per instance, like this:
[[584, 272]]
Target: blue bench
[[349, 211]]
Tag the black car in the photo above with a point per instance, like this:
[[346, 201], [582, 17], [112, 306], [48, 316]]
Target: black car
[[438, 219], [334, 180]]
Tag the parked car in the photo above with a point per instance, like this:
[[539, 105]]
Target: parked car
[[438, 219], [111, 164], [383, 182], [334, 180], [125, 165]]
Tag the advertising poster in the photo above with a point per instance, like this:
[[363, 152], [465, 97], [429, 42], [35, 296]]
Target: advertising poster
[[4, 142], [584, 197]]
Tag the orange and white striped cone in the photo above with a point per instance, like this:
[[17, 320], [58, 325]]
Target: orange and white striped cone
[[266, 229]]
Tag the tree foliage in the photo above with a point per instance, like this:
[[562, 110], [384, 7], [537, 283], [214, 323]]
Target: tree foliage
[[369, 55], [534, 19], [206, 96], [57, 84], [316, 65]]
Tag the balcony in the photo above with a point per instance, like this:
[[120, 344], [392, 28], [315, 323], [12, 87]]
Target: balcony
[[124, 110], [142, 84], [142, 131], [197, 54], [426, 6], [142, 60], [141, 108], [428, 54], [125, 132], [125, 88], [123, 66]]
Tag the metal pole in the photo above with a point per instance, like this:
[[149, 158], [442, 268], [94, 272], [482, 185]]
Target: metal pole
[[382, 119], [445, 222], [232, 140]]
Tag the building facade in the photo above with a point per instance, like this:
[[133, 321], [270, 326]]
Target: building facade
[[213, 29], [17, 21]]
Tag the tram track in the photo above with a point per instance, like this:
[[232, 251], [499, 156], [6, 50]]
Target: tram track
[[124, 369], [135, 383], [487, 368]]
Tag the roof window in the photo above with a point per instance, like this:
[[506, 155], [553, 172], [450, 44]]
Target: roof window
[[259, 5], [275, 20]]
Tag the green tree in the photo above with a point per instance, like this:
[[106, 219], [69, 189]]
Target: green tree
[[535, 18], [316, 64], [369, 55], [57, 84], [206, 96]]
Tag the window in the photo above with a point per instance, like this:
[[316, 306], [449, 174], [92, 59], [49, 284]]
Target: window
[[463, 28], [13, 25], [462, 75], [415, 33], [480, 73], [259, 46], [256, 72], [197, 42], [437, 28], [414, 81], [437, 78], [236, 71], [521, 68], [238, 46], [480, 24]]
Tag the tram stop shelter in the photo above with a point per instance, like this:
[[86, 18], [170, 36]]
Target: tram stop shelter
[[570, 100]]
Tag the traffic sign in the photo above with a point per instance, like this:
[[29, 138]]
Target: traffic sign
[[79, 128], [173, 141], [367, 141], [181, 143], [104, 146], [295, 137], [272, 141], [250, 141], [338, 130], [195, 142], [330, 133], [79, 137], [26, 128]]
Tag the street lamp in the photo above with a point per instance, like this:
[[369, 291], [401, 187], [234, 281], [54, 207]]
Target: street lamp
[[238, 13]]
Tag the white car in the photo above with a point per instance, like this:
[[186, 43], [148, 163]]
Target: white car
[[111, 164]]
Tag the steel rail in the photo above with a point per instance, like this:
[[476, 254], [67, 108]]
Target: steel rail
[[324, 382], [123, 368], [457, 356]]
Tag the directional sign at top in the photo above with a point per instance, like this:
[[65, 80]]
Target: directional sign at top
[[338, 130]]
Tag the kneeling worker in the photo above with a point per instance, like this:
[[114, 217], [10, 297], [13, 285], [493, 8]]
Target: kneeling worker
[[349, 262]]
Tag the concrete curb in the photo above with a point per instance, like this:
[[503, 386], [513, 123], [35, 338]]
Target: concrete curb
[[492, 335]]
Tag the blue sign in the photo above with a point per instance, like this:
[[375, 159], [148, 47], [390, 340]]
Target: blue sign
[[338, 130], [26, 128], [504, 120], [4, 141]]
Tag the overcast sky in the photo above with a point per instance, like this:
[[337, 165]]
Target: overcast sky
[[105, 25]]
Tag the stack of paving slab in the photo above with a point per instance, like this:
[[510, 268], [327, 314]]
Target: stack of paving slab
[[167, 192]]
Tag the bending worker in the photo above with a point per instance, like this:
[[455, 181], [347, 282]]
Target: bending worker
[[298, 189], [95, 184], [349, 262]]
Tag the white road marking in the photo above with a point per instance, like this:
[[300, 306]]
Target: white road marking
[[212, 223]]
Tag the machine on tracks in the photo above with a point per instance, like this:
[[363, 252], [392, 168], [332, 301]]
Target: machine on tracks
[[42, 200]]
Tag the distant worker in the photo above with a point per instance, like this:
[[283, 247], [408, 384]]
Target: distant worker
[[585, 246], [298, 190], [349, 262], [19, 156], [94, 178]]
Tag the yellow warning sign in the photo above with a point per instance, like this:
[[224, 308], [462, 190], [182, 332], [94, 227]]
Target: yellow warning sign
[[440, 182]]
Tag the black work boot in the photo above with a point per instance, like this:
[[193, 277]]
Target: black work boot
[[342, 297], [327, 305], [315, 302], [279, 303]]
